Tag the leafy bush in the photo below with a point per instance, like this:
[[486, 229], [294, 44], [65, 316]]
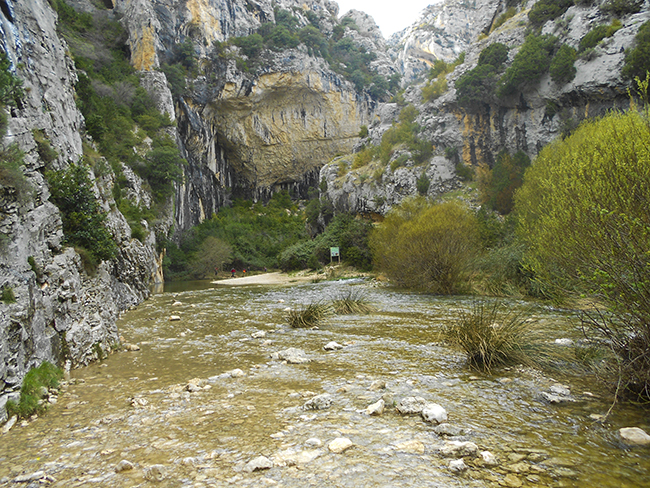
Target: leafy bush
[[8, 295], [434, 90], [622, 7], [164, 167], [598, 33], [545, 10], [11, 87], [583, 214], [531, 61], [83, 221], [423, 183], [562, 69], [35, 386], [637, 59], [498, 185], [477, 86], [426, 247]]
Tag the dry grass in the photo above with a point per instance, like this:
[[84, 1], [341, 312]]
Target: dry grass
[[352, 301], [308, 316]]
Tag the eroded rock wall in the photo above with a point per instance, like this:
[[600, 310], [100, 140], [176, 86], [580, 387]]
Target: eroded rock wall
[[59, 310]]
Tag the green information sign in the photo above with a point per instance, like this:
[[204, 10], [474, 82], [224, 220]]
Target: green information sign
[[334, 252]]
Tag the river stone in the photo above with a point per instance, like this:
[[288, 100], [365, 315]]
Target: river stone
[[434, 413], [174, 318], [448, 429], [512, 481], [561, 390], [635, 436], [339, 445], [293, 356], [313, 442], [259, 334], [457, 465], [459, 449], [376, 408], [489, 458], [25, 478], [177, 304], [319, 402], [377, 385], [236, 373], [123, 465], [157, 472], [10, 423], [260, 462], [332, 346], [292, 458], [411, 447], [411, 405]]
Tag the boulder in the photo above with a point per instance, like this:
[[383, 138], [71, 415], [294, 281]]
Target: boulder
[[411, 405], [293, 356], [259, 463], [457, 465], [319, 402], [332, 346], [339, 445], [459, 449], [434, 413], [123, 465], [634, 436], [376, 408]]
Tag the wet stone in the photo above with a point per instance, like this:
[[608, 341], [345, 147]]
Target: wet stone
[[459, 449], [259, 463], [123, 465], [319, 402], [339, 445], [457, 466], [156, 472], [634, 436], [411, 405]]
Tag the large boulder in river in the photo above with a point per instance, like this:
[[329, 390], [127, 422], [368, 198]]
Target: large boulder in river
[[634, 436], [411, 405]]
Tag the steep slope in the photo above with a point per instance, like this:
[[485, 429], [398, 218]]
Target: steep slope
[[474, 128], [59, 310]]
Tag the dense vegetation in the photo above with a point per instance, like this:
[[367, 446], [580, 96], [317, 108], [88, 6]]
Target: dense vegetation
[[35, 388], [584, 215], [342, 54]]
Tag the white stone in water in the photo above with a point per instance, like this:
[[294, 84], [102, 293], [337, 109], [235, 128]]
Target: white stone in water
[[319, 402], [377, 385], [411, 447], [177, 304], [293, 356], [411, 405], [174, 318], [313, 442], [236, 373], [332, 346], [259, 334], [457, 465], [558, 389], [459, 448], [434, 413], [260, 462], [635, 436], [489, 458], [339, 445], [564, 342], [10, 423], [123, 465], [376, 408], [157, 472]]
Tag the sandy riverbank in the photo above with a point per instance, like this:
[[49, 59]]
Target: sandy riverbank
[[275, 278]]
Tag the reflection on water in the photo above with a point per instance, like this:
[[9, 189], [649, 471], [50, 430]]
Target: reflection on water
[[177, 404]]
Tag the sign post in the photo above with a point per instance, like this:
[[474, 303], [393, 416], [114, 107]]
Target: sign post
[[334, 253]]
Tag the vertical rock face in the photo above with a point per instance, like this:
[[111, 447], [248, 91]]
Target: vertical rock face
[[443, 31], [58, 308]]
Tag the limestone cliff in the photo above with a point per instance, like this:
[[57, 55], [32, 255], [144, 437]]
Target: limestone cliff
[[59, 310]]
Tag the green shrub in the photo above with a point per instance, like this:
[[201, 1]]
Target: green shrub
[[8, 294], [583, 214], [477, 86], [11, 87], [363, 132], [491, 335], [35, 387], [426, 247], [494, 55], [562, 69], [497, 186], [598, 33], [508, 14], [464, 172], [434, 89], [545, 10], [45, 150], [83, 221], [423, 183], [164, 168], [622, 7], [531, 61], [637, 59]]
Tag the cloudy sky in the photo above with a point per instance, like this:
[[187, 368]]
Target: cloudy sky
[[390, 15]]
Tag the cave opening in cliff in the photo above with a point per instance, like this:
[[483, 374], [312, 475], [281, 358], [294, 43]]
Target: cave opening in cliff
[[5, 11], [108, 4]]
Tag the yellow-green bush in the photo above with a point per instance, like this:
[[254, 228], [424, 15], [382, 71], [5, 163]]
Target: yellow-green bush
[[584, 213], [426, 247]]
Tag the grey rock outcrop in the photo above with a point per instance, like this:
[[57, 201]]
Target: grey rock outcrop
[[60, 312]]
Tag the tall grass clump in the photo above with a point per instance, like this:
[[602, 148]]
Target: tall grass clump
[[308, 316], [352, 301], [491, 335], [36, 385]]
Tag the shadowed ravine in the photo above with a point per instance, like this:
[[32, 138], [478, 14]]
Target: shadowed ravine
[[138, 406]]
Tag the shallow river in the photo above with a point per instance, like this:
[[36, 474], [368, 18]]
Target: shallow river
[[175, 405]]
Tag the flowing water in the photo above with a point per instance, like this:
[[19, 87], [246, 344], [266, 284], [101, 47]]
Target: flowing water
[[175, 411]]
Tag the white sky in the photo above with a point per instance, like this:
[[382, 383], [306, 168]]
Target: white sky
[[390, 15]]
